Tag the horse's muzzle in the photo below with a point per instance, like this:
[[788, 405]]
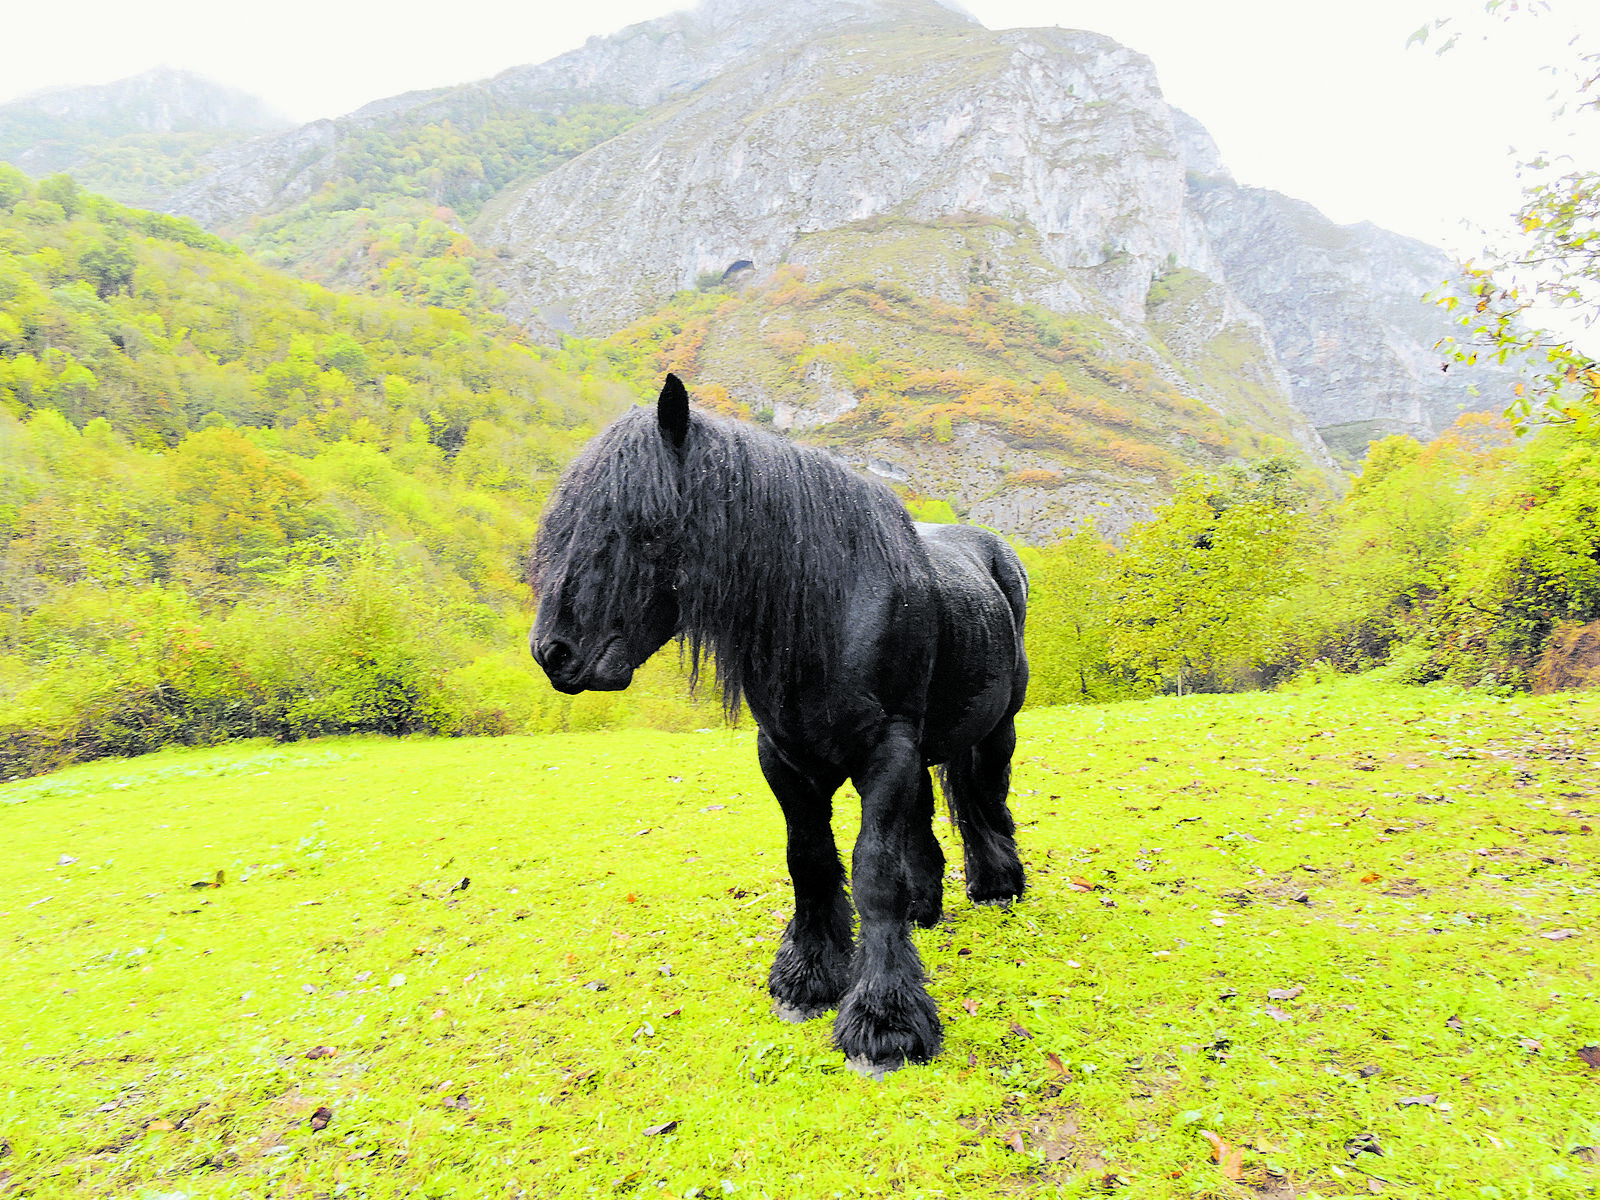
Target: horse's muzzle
[[608, 671]]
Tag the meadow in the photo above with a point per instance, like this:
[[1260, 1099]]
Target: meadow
[[1326, 942]]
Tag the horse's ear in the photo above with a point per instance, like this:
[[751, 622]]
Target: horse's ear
[[672, 411]]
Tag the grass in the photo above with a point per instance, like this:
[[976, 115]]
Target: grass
[[502, 966]]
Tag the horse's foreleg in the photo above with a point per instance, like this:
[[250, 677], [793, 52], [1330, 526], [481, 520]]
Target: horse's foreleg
[[978, 783], [812, 967], [887, 1018]]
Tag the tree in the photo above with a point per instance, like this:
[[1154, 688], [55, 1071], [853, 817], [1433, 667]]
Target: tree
[[14, 186], [63, 190], [241, 505], [1553, 260], [109, 265], [1069, 620], [1198, 589]]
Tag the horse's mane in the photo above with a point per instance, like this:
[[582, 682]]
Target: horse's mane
[[770, 538]]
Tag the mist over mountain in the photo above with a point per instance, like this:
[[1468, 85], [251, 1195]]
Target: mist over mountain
[[135, 139]]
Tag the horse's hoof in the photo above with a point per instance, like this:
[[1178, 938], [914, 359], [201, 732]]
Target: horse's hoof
[[795, 1014], [995, 901], [875, 1071]]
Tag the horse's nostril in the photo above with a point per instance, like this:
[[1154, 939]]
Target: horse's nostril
[[557, 654]]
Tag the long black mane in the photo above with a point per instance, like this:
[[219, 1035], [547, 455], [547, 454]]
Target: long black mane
[[763, 541]]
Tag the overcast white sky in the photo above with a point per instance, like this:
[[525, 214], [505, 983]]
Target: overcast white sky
[[1321, 100]]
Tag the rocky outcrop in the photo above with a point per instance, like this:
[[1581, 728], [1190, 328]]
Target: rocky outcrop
[[1344, 306], [260, 176], [1062, 132]]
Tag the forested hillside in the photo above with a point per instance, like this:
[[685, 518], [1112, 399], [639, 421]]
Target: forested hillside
[[236, 503]]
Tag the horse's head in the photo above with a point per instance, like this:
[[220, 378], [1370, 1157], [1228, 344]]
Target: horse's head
[[609, 546]]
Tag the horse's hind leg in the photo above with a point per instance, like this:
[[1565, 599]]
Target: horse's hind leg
[[976, 785], [812, 967], [925, 863]]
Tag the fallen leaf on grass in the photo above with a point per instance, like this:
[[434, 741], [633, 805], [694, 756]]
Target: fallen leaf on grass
[[1455, 1023], [1363, 1143], [1408, 1101], [1080, 884], [320, 1052], [1056, 1065], [1229, 1158], [460, 1103], [1286, 993], [1277, 1014], [1369, 1072], [1374, 1184], [320, 1119], [1371, 877], [1531, 1045], [159, 1126], [971, 1005], [1014, 1140], [658, 1130], [1590, 1055], [1588, 1154], [1560, 935], [1020, 1031]]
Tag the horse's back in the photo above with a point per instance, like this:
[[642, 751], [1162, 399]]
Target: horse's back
[[981, 671]]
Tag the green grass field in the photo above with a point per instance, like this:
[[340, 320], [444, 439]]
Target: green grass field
[[1285, 926]]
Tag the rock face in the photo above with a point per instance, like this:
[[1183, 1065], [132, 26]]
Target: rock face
[[1347, 319], [1060, 131], [262, 175]]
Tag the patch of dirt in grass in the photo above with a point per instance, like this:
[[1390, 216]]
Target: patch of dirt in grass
[[1277, 1189], [1286, 890], [1051, 1133], [1406, 888]]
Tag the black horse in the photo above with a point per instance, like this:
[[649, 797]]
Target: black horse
[[866, 647]]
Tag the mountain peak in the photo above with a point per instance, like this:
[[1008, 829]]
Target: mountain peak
[[644, 63], [161, 100]]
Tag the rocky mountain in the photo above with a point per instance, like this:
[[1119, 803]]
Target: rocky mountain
[[994, 266], [1343, 304], [136, 139]]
